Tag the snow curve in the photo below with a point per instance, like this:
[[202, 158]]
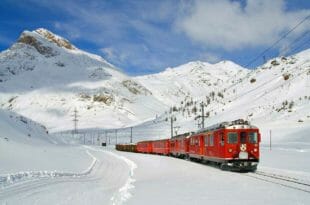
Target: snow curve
[[123, 193], [13, 178]]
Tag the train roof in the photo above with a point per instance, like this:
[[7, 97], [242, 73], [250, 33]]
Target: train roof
[[183, 135], [235, 124]]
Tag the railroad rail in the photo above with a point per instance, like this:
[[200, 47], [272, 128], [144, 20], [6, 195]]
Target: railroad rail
[[285, 181]]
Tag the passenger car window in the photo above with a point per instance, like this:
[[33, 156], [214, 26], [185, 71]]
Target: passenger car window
[[253, 137], [232, 138], [206, 140], [222, 139], [211, 140], [197, 142]]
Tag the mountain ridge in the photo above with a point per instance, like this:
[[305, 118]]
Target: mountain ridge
[[47, 87]]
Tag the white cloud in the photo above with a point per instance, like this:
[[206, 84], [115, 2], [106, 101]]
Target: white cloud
[[230, 25], [210, 57]]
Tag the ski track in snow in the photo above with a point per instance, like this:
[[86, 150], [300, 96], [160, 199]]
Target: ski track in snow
[[123, 193], [119, 197], [13, 178]]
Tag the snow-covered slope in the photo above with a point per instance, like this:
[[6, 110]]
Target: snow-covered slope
[[45, 77], [275, 97], [192, 80], [26, 145]]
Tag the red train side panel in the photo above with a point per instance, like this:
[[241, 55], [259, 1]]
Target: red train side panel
[[161, 147], [179, 145], [145, 147]]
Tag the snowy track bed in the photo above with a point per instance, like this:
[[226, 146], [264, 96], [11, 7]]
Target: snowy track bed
[[108, 180], [167, 180], [14, 178], [285, 181]]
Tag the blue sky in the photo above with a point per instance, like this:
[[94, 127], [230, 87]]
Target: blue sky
[[143, 37]]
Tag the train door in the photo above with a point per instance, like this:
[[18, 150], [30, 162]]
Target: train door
[[205, 145], [221, 144], [243, 145], [201, 145]]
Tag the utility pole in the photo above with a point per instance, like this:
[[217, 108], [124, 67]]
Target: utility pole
[[75, 121], [98, 138], [109, 139], [176, 129], [198, 124], [115, 136], [171, 123], [131, 135], [270, 140], [203, 115], [106, 137]]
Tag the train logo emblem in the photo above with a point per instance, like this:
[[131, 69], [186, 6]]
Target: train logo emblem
[[243, 147]]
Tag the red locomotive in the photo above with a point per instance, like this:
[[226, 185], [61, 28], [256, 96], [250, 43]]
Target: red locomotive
[[232, 145]]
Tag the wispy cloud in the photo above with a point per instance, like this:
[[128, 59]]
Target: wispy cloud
[[230, 25], [147, 36]]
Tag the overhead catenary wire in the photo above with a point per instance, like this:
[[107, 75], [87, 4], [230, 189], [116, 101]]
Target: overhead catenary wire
[[302, 45], [294, 42], [276, 42]]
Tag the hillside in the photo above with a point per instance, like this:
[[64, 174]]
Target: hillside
[[45, 77], [275, 97], [26, 146]]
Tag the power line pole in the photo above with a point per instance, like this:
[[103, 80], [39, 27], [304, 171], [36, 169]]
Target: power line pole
[[171, 122], [75, 120], [176, 128], [270, 139], [109, 139], [115, 136], [198, 124], [131, 135], [106, 137], [203, 115]]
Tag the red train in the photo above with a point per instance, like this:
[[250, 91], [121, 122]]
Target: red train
[[231, 145]]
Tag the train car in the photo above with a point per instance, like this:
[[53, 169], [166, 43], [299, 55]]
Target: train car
[[126, 147], [233, 145], [179, 145], [145, 147], [161, 147]]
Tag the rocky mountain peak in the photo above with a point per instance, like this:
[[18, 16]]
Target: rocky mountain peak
[[60, 41], [40, 38]]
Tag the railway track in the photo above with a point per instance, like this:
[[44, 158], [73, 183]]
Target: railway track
[[282, 180]]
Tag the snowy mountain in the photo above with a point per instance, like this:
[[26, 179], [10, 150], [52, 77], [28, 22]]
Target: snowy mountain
[[275, 97], [45, 77], [192, 80]]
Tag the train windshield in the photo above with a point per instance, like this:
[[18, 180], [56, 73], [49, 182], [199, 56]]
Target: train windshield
[[253, 137], [232, 137], [243, 137]]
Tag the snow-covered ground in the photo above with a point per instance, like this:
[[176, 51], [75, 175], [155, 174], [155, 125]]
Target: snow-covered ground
[[130, 178], [38, 168], [44, 77]]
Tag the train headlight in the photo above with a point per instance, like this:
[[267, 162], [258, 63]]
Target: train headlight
[[255, 150], [229, 150]]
